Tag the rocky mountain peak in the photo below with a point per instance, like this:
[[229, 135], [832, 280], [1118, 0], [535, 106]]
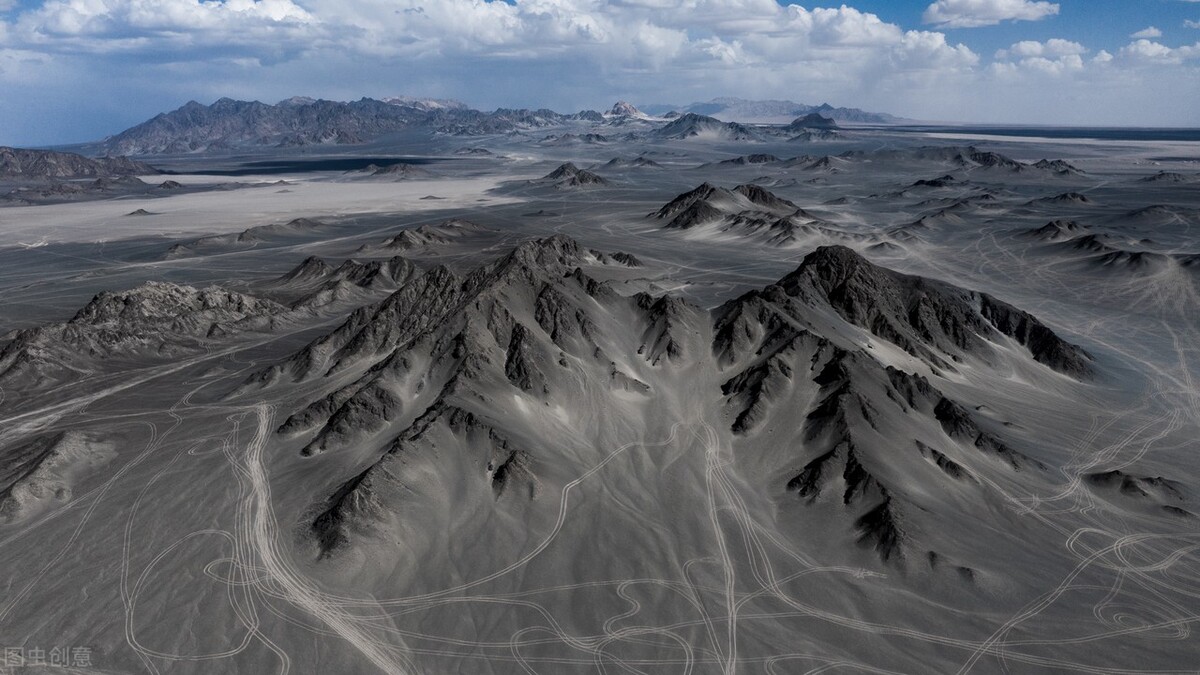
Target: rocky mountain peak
[[569, 175], [814, 120], [830, 265], [925, 317], [624, 109], [555, 253], [564, 170], [157, 301]]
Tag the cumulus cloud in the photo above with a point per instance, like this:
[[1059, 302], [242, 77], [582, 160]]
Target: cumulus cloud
[[1150, 32], [620, 30], [1151, 52], [929, 51], [1052, 57], [746, 47], [975, 13], [1188, 23], [106, 17], [1052, 47], [160, 26], [138, 57]]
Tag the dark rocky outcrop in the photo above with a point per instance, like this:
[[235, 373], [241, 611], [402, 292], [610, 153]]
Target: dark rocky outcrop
[[927, 318], [154, 321], [568, 175], [20, 164], [692, 125]]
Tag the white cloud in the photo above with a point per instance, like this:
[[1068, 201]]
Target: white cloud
[[975, 13], [1150, 32], [844, 26], [537, 51], [633, 33], [1051, 47], [1188, 23], [1149, 52], [926, 50], [1053, 66], [1146, 50], [655, 45], [137, 57], [74, 17], [159, 26], [1052, 57]]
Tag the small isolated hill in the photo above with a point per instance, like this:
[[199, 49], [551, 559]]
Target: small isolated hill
[[813, 121], [692, 125], [569, 176]]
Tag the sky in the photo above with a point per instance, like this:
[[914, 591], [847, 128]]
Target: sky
[[79, 70]]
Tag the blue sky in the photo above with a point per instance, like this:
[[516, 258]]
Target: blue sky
[[1102, 24], [77, 70]]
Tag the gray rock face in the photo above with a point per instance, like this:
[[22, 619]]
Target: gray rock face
[[814, 120], [710, 199], [749, 211], [747, 160], [864, 424], [1058, 166], [568, 176], [616, 258], [1067, 198], [423, 236], [306, 138], [16, 163], [624, 109], [155, 320], [436, 359], [311, 269], [1056, 230], [635, 163], [444, 373], [521, 361], [569, 139], [867, 429], [943, 181], [692, 125], [229, 124], [926, 318]]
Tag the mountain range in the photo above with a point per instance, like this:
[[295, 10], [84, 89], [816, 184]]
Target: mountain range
[[457, 378], [731, 109], [228, 124]]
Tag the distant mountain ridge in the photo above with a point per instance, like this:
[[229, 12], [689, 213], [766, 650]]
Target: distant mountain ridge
[[228, 124], [730, 109], [301, 121]]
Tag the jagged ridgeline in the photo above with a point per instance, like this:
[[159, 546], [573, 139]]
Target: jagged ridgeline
[[465, 397], [20, 163]]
